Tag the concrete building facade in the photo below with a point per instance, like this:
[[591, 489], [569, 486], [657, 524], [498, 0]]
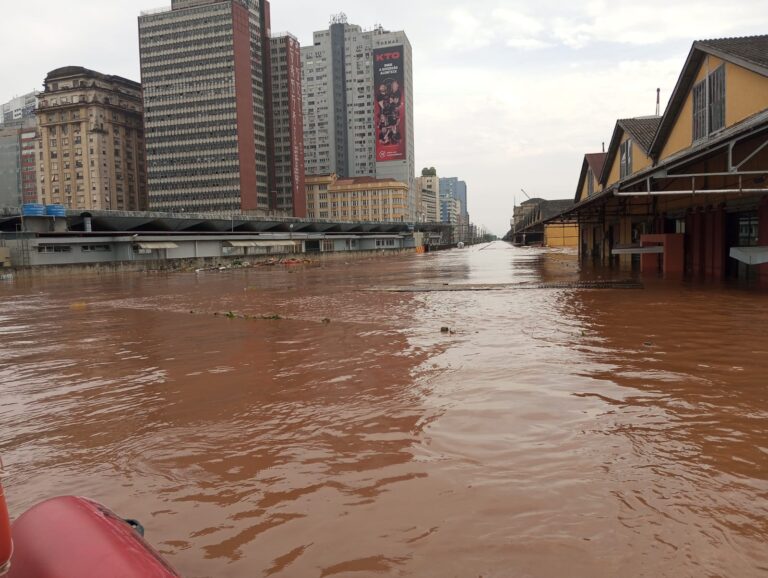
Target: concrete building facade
[[19, 108], [343, 132], [360, 199], [210, 108], [18, 140], [29, 150], [10, 169], [91, 141], [428, 187]]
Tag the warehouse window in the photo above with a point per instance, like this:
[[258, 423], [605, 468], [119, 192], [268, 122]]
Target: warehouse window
[[700, 110], [709, 104], [626, 158], [717, 99]]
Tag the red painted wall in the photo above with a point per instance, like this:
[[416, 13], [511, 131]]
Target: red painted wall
[[297, 129], [244, 102]]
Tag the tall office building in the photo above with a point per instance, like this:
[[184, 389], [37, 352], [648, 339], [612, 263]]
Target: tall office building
[[18, 151], [19, 108], [453, 188], [358, 104], [428, 196], [211, 114], [91, 141], [19, 147], [30, 146], [288, 126]]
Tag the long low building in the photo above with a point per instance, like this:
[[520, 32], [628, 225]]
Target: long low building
[[112, 237], [685, 193]]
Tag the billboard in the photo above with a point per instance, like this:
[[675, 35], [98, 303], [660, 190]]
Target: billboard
[[389, 106]]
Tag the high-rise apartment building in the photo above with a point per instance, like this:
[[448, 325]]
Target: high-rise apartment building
[[91, 152], [358, 104], [211, 112]]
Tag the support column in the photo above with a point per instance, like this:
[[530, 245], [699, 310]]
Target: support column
[[762, 239], [697, 243], [709, 248], [719, 242], [689, 232]]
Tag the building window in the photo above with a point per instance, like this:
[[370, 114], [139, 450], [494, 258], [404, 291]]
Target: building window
[[54, 249], [700, 110], [626, 158], [717, 99], [95, 248], [590, 183], [709, 104]]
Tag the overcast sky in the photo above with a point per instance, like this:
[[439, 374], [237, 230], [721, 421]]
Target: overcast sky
[[508, 94]]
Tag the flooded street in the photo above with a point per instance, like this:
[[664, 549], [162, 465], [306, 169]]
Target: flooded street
[[554, 432]]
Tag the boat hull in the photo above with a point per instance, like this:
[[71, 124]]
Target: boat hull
[[77, 538]]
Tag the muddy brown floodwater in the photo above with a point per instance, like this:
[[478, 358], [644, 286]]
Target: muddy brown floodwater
[[555, 433]]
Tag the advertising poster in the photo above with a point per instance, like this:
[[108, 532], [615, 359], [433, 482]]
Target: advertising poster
[[389, 107]]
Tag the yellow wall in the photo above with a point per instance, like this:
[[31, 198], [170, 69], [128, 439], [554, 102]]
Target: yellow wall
[[585, 189], [331, 198], [584, 194], [746, 93], [561, 235], [640, 161]]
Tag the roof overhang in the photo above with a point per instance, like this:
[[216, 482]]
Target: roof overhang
[[157, 245], [750, 255]]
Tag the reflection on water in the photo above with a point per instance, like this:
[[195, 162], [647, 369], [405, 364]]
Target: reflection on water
[[553, 433]]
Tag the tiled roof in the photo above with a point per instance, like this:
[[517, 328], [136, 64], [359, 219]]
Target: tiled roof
[[753, 49], [596, 162], [642, 129], [551, 209]]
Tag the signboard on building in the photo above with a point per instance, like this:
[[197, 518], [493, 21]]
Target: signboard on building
[[389, 107]]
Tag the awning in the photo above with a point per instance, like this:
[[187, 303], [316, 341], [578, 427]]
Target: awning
[[154, 246], [750, 255], [275, 243], [242, 244]]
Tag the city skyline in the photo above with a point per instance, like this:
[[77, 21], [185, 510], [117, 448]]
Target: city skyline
[[494, 78]]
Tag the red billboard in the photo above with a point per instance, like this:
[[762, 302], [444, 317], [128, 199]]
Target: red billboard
[[389, 107]]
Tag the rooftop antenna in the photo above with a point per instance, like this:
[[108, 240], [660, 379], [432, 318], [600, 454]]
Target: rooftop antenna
[[658, 102], [526, 194], [603, 146]]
